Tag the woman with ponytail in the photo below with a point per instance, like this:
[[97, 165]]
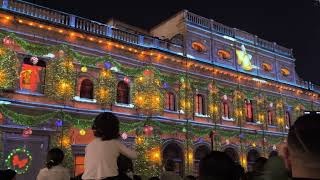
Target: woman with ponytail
[[54, 169]]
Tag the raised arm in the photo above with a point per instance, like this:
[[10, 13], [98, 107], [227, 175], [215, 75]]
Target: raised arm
[[124, 150]]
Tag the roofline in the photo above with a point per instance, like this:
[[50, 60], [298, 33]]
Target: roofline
[[167, 19]]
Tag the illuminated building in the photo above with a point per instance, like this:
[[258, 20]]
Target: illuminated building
[[204, 49]]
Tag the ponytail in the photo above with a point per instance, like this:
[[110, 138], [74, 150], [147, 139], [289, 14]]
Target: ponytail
[[50, 163], [55, 157]]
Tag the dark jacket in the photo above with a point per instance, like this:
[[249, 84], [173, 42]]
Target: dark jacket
[[169, 175]]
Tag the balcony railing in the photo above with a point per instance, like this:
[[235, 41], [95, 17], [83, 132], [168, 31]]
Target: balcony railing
[[86, 25], [235, 33], [36, 11], [100, 29], [201, 21]]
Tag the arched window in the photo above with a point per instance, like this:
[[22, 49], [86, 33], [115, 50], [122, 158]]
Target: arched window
[[226, 112], [86, 89], [170, 101], [232, 153], [123, 93], [175, 152], [288, 119], [270, 118], [249, 110], [200, 152], [252, 156], [32, 74], [199, 102]]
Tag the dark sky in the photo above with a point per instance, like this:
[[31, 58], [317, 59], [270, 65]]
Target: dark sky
[[291, 23]]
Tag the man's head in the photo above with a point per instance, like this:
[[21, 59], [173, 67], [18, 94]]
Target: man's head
[[224, 168], [304, 147]]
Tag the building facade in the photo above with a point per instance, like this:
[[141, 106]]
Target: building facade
[[199, 79]]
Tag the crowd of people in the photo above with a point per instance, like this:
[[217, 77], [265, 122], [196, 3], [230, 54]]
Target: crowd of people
[[106, 158]]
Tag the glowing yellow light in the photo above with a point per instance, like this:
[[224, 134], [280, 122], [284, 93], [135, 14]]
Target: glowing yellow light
[[214, 108], [135, 51], [139, 140], [100, 41], [261, 117], [7, 17], [122, 47], [65, 141], [244, 162], [106, 74], [91, 39], [60, 31], [151, 54], [157, 99], [2, 77], [40, 26], [156, 155], [140, 98], [49, 28], [158, 82], [279, 105], [254, 145], [109, 43], [84, 69], [130, 49], [20, 21], [72, 34], [82, 132], [281, 121], [68, 64], [31, 24], [64, 86], [190, 156], [141, 78], [103, 93]]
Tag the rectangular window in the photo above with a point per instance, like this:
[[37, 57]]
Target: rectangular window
[[270, 120], [79, 164], [170, 101], [249, 110], [199, 104], [225, 109]]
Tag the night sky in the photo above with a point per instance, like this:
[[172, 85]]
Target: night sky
[[291, 23]]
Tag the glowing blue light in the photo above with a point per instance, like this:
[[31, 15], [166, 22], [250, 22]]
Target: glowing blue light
[[165, 85], [107, 65], [229, 38], [59, 123]]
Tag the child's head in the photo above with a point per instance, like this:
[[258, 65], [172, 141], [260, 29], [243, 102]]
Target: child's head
[[8, 174], [106, 126], [55, 157]]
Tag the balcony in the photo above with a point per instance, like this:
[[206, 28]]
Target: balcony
[[85, 25], [219, 28]]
